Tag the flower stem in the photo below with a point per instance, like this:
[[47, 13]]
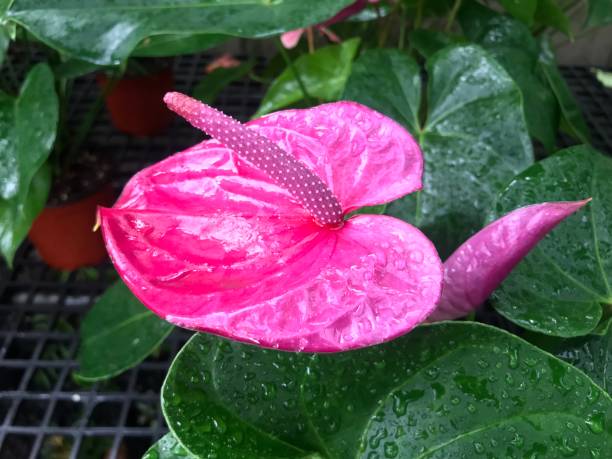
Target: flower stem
[[294, 70], [402, 30], [452, 15], [310, 40]]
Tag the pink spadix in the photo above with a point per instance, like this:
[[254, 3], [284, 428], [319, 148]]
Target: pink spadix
[[476, 268], [287, 171]]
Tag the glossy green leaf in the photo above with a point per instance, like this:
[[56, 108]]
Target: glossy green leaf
[[28, 126], [117, 333], [4, 43], [106, 31], [477, 391], [209, 87], [474, 138], [600, 13], [177, 44], [523, 10], [513, 46], [558, 289], [591, 353], [324, 74], [167, 447], [550, 14], [571, 115], [428, 42]]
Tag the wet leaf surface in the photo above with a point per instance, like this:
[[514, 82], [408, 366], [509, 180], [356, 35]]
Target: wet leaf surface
[[477, 390], [558, 289], [117, 333], [167, 447], [474, 137]]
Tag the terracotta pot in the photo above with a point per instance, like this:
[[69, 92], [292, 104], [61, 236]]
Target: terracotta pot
[[136, 103], [64, 235]]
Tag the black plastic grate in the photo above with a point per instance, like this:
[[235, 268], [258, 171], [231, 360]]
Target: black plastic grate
[[43, 412]]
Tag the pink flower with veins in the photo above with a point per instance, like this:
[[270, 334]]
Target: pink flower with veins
[[292, 38], [246, 236]]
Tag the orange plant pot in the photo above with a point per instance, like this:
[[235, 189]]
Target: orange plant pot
[[64, 235], [136, 104]]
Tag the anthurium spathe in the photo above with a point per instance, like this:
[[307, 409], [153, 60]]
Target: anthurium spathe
[[246, 235]]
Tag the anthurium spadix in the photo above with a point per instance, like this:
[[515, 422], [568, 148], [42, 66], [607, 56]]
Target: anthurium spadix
[[246, 236]]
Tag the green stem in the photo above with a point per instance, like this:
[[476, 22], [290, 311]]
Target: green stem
[[294, 70], [452, 15], [419, 15], [402, 30]]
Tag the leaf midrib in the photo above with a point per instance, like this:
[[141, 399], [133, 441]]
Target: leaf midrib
[[119, 326]]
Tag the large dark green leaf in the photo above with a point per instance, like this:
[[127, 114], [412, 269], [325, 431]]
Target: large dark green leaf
[[572, 118], [550, 14], [106, 31], [513, 46], [600, 13], [209, 87], [28, 126], [324, 74], [474, 139], [558, 289], [167, 447], [428, 42], [117, 333], [177, 44], [592, 353], [444, 390], [521, 9]]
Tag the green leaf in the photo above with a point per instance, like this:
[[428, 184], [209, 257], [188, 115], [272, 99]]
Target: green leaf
[[428, 42], [600, 13], [117, 333], [167, 447], [324, 74], [474, 139], [558, 289], [591, 354], [452, 389], [605, 78], [28, 126], [571, 114], [4, 44], [212, 84], [550, 14], [523, 10], [513, 46], [106, 31], [177, 44]]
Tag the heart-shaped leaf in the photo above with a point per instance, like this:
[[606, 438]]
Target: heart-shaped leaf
[[106, 31], [513, 46], [28, 126], [560, 287], [117, 333], [474, 137], [591, 353], [478, 389], [324, 74]]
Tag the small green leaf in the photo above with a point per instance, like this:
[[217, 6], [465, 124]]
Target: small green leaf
[[28, 126], [523, 10], [117, 333], [605, 78], [105, 32], [176, 44], [324, 74], [550, 14], [212, 84], [474, 139], [558, 289], [571, 115], [452, 389], [600, 13], [591, 353], [167, 447]]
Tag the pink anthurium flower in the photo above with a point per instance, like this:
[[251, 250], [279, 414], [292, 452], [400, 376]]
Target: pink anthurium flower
[[245, 236], [476, 268]]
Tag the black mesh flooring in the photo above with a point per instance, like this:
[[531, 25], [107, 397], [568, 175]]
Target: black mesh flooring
[[43, 412]]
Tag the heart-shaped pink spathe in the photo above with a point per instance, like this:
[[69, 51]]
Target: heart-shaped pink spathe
[[210, 242]]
